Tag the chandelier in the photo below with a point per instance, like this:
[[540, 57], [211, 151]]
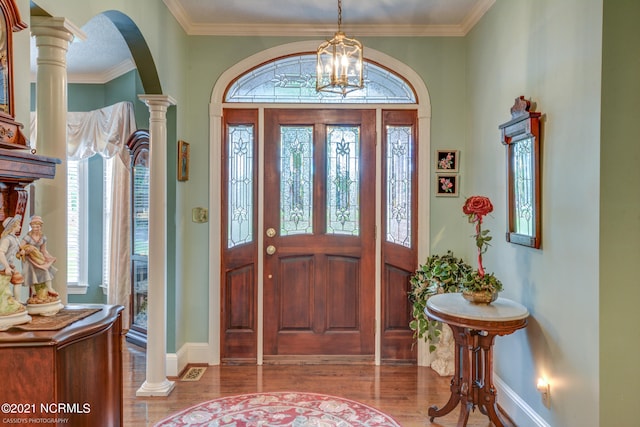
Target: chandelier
[[339, 67]]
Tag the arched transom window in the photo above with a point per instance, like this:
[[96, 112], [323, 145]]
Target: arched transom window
[[292, 80]]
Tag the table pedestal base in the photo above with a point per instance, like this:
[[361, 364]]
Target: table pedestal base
[[472, 384]]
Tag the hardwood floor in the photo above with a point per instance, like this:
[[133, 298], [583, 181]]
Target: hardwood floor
[[404, 392]]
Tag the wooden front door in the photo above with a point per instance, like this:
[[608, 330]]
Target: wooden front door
[[319, 236]]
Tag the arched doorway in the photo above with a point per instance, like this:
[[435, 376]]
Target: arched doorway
[[258, 295]]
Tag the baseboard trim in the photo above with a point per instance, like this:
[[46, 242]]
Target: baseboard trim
[[519, 411], [188, 353]]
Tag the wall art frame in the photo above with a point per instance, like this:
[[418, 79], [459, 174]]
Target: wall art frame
[[447, 161], [447, 185], [183, 160]]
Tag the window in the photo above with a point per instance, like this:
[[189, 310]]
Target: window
[[399, 184], [241, 143], [293, 80], [79, 220], [107, 185], [77, 253]]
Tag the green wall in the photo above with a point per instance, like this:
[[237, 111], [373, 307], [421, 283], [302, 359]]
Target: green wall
[[548, 51], [619, 235]]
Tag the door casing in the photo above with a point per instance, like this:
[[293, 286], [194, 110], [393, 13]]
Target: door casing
[[212, 351]]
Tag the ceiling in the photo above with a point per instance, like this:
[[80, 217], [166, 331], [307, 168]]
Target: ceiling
[[304, 18]]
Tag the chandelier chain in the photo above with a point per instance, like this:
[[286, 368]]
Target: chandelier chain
[[339, 15]]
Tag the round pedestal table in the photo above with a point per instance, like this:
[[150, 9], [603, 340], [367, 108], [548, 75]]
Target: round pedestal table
[[474, 328]]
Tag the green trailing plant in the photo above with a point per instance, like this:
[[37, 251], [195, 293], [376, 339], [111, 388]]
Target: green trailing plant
[[439, 274]]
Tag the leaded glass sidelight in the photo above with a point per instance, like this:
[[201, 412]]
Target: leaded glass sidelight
[[240, 188], [296, 180], [398, 165], [343, 180]]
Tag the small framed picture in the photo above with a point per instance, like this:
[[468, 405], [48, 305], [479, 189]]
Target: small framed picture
[[183, 161], [447, 161], [447, 185]]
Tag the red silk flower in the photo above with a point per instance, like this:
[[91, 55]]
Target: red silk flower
[[477, 207]]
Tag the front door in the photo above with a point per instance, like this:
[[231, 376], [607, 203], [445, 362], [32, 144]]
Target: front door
[[319, 236]]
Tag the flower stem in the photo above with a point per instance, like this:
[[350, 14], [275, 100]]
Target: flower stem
[[479, 244]]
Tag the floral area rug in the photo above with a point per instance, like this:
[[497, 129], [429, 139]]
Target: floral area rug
[[280, 409]]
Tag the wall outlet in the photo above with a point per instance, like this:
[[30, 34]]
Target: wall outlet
[[545, 390]]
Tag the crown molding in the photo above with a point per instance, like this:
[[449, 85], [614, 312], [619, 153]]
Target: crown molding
[[103, 77], [306, 30], [325, 31], [478, 11], [98, 78]]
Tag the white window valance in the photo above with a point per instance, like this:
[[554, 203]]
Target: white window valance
[[104, 131]]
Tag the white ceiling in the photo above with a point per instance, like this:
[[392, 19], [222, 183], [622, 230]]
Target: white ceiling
[[304, 18]]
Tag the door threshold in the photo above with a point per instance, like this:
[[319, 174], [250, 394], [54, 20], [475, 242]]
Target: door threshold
[[322, 359]]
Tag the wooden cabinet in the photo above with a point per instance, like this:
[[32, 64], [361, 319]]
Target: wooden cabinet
[[73, 374], [138, 145]]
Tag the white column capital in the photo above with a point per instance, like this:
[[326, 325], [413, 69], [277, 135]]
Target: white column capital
[[60, 28], [157, 102]]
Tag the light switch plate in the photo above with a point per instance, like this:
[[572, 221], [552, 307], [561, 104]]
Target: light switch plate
[[200, 215]]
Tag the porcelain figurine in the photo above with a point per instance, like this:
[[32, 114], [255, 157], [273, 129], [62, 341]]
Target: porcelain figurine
[[12, 311], [38, 270], [9, 248]]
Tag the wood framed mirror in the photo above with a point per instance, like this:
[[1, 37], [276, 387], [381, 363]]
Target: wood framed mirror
[[11, 135], [521, 135]]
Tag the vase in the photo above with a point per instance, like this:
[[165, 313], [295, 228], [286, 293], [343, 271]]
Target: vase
[[480, 297]]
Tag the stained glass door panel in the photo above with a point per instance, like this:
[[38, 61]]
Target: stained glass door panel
[[319, 287]]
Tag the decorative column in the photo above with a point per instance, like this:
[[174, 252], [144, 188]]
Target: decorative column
[[156, 383], [53, 36]]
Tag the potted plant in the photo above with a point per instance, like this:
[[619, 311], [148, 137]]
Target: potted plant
[[439, 274], [478, 286]]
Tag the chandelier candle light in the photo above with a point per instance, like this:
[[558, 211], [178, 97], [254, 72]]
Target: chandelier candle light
[[339, 67]]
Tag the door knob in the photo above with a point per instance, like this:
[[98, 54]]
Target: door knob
[[271, 232], [271, 250]]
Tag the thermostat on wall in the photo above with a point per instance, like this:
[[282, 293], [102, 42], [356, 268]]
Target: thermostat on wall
[[200, 215]]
